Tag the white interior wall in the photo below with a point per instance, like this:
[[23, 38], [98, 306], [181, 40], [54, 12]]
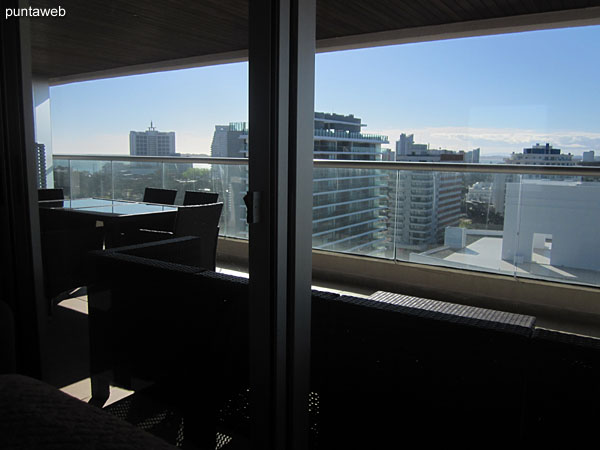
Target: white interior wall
[[42, 122]]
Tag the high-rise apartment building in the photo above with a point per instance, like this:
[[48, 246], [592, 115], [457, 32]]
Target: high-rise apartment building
[[349, 205], [230, 141], [472, 156], [406, 146], [152, 142], [40, 160], [423, 203]]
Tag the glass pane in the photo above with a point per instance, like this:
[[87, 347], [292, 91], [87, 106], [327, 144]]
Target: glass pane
[[453, 219], [132, 178], [554, 235], [229, 181], [87, 179], [62, 175], [171, 303], [450, 102], [350, 211]]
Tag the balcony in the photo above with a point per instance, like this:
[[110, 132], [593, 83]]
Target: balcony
[[418, 200], [351, 136], [363, 262], [548, 254], [419, 227], [422, 191]]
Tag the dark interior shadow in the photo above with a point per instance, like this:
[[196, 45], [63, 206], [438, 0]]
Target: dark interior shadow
[[66, 358]]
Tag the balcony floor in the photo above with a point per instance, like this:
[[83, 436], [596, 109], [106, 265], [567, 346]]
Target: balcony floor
[[65, 361]]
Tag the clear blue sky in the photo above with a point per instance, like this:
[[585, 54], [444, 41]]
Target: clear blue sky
[[500, 93]]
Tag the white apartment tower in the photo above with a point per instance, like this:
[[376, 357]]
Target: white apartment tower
[[423, 203], [151, 142]]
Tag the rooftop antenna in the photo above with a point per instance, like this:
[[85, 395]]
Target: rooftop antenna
[[151, 126]]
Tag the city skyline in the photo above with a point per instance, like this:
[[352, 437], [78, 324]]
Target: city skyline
[[499, 93]]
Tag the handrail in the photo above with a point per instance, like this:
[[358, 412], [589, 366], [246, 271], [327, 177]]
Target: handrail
[[461, 167], [156, 159], [356, 164]]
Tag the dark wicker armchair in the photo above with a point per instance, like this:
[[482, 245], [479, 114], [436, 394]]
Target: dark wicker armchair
[[199, 220], [63, 258], [66, 238], [156, 315]]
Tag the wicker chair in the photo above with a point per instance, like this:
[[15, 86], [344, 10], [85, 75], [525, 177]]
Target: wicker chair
[[190, 251], [51, 197], [192, 220], [162, 196], [158, 317], [65, 240], [563, 387], [199, 198], [198, 220], [63, 258], [420, 369], [50, 194]]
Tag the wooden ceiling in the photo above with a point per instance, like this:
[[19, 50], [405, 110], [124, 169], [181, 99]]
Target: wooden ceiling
[[111, 34]]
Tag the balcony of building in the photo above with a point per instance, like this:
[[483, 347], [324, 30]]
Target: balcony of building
[[418, 199], [347, 136], [124, 177], [404, 333]]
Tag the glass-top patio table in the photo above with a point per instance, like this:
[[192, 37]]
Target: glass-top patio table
[[117, 216], [106, 206]]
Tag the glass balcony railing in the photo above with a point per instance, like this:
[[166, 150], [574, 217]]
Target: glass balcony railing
[[535, 222], [126, 178]]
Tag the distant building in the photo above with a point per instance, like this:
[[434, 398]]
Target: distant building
[[588, 156], [473, 156], [230, 141], [541, 155], [498, 194], [406, 146], [481, 192], [40, 160], [423, 203], [544, 155], [152, 142]]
